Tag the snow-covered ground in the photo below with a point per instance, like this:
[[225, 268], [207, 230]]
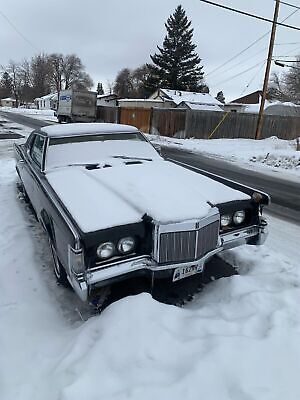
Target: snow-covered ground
[[270, 155], [238, 340], [44, 115]]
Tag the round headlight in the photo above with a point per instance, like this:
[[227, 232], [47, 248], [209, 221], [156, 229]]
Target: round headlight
[[239, 217], [225, 220], [105, 250], [126, 245]]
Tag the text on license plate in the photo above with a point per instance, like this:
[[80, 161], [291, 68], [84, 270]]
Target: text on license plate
[[184, 272]]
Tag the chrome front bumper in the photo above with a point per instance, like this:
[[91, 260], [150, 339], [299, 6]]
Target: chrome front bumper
[[253, 235]]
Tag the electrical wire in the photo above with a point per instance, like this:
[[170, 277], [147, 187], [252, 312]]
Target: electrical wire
[[289, 4], [252, 79], [248, 14], [247, 48], [19, 32], [239, 74]]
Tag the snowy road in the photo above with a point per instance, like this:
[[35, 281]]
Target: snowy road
[[239, 340]]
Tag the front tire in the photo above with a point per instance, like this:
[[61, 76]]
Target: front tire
[[59, 271]]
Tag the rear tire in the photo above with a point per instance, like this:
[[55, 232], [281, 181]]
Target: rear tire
[[58, 269]]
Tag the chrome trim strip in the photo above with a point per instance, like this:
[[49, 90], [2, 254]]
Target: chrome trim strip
[[146, 263]]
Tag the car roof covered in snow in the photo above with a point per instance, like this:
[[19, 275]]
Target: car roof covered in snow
[[77, 129]]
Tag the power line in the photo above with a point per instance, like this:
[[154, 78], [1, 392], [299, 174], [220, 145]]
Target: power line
[[249, 14], [19, 33], [252, 79], [248, 47], [289, 4], [239, 74]]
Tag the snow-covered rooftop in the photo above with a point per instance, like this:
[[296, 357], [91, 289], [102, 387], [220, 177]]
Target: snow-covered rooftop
[[86, 129], [179, 96], [201, 107], [141, 100], [9, 99], [50, 96]]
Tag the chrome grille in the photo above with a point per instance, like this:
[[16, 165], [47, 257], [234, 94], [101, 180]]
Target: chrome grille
[[185, 246]]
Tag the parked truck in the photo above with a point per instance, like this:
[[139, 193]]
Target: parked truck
[[76, 106]]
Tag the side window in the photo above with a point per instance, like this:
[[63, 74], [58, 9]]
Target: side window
[[37, 149]]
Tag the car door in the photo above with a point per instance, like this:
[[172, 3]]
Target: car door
[[36, 155]]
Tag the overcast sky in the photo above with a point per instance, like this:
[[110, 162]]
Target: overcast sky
[[113, 34]]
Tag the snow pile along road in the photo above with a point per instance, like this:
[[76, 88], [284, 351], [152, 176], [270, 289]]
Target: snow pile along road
[[273, 153], [239, 340], [45, 115]]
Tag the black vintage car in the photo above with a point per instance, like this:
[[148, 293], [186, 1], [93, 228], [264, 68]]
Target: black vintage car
[[113, 207]]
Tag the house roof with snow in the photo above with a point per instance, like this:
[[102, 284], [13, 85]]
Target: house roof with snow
[[50, 96], [199, 106], [179, 96], [109, 96], [8, 99]]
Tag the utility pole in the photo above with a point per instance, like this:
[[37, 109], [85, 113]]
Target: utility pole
[[267, 73]]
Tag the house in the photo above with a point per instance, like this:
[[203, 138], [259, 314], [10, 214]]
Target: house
[[234, 107], [142, 103], [251, 98], [47, 102], [8, 102], [190, 105], [190, 100], [107, 100]]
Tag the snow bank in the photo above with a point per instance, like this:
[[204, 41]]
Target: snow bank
[[45, 115], [239, 340], [272, 154]]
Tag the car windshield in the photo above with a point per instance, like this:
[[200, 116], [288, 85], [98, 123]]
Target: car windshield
[[98, 148], [97, 138]]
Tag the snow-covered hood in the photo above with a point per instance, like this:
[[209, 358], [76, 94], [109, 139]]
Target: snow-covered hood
[[123, 193]]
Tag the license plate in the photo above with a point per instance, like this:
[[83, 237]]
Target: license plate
[[184, 272]]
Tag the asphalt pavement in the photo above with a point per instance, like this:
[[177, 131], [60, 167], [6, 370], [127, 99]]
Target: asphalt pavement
[[285, 194]]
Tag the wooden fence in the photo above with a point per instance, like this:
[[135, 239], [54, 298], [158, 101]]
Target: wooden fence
[[183, 123]]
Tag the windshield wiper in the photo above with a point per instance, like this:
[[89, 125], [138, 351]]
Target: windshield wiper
[[133, 158]]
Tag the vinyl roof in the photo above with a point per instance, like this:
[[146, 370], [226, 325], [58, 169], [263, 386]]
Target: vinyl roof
[[76, 129]]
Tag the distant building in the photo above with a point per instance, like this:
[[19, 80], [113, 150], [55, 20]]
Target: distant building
[[190, 100], [251, 98], [47, 102], [107, 100], [8, 102], [234, 107], [199, 106], [142, 103]]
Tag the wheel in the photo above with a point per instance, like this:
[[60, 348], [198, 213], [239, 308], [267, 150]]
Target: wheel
[[59, 271], [59, 119]]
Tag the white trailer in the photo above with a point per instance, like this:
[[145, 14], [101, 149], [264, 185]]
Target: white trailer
[[76, 106]]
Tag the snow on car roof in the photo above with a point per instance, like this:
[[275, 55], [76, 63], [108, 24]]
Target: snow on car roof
[[86, 129]]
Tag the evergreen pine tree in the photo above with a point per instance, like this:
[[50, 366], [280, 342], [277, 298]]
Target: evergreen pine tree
[[220, 97], [6, 85], [177, 66]]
